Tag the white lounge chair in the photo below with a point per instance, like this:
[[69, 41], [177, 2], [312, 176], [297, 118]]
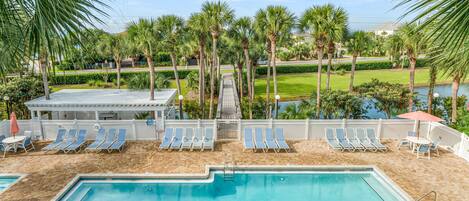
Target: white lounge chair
[[374, 140], [248, 140], [351, 137], [280, 139], [332, 140], [167, 138], [187, 139], [361, 136], [270, 141], [208, 139], [259, 140], [197, 140], [340, 134], [177, 139]]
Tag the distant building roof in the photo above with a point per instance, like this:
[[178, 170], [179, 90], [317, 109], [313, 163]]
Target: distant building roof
[[387, 26], [102, 100]]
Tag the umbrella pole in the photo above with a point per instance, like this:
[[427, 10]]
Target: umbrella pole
[[418, 128]]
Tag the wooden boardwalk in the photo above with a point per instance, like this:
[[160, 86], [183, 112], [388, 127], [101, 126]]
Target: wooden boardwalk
[[229, 103]]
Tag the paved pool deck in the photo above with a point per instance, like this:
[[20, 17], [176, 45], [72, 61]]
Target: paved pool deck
[[47, 174]]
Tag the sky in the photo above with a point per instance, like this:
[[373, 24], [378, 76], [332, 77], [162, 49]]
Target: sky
[[363, 14]]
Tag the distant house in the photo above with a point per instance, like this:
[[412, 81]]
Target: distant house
[[386, 29]]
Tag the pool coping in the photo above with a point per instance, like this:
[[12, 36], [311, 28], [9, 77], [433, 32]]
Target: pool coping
[[19, 175], [209, 168]]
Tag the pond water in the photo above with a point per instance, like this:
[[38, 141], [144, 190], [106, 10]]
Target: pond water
[[443, 90]]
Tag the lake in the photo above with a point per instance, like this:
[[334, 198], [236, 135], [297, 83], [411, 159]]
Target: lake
[[443, 90]]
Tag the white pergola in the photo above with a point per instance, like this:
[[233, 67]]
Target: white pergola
[[103, 100]]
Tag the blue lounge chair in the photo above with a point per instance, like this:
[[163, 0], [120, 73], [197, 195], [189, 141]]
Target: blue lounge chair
[[423, 149], [375, 141], [187, 139], [167, 138], [269, 140], [70, 139], [280, 139], [120, 142], [340, 134], [2, 137], [78, 144], [247, 141], [110, 139], [259, 140], [434, 146], [197, 140], [177, 140], [100, 138], [209, 143], [352, 139], [331, 139], [361, 136], [406, 143], [26, 145], [59, 139]]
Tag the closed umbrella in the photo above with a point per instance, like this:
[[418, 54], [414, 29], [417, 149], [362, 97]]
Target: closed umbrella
[[420, 116], [14, 128]]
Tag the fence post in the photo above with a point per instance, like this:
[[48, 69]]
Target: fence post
[[307, 128], [271, 123], [215, 128], [239, 128], [461, 146], [134, 129], [380, 127], [344, 122]]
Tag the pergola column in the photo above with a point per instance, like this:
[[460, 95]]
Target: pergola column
[[96, 113]]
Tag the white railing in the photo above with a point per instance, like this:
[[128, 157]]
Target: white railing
[[293, 129]]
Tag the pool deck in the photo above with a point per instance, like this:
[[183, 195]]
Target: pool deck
[[48, 174]]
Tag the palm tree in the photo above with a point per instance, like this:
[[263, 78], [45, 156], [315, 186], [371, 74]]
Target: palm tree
[[357, 44], [38, 21], [412, 40], [143, 35], [242, 31], [447, 22], [218, 15], [275, 22], [314, 20], [170, 29], [337, 25], [115, 46], [198, 28], [394, 48]]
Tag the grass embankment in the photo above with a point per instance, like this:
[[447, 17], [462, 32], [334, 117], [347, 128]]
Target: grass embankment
[[294, 86]]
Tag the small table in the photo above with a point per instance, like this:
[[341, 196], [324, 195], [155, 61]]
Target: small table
[[12, 143], [417, 141]]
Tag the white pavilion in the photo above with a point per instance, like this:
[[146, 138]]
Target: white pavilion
[[102, 104]]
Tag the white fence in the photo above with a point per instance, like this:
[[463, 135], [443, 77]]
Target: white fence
[[293, 129]]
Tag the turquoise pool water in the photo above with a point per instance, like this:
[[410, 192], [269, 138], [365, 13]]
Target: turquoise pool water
[[243, 187], [6, 181]]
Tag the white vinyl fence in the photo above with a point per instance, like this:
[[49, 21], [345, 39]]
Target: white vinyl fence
[[293, 129]]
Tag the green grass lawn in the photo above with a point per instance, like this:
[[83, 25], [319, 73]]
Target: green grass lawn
[[292, 86]]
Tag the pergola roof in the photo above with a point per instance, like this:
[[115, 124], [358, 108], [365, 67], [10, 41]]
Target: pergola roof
[[102, 100]]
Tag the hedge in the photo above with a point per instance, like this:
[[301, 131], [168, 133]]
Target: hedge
[[304, 68], [85, 77]]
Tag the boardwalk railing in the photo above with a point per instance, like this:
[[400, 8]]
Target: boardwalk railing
[[305, 129]]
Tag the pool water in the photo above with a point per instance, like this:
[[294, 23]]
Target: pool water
[[6, 181], [242, 187]]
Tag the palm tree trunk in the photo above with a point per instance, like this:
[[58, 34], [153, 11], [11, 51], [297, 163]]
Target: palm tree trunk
[[352, 72], [133, 61], [118, 71], [318, 89], [267, 89], [431, 88], [175, 69], [240, 80], [248, 66], [253, 80], [454, 98], [330, 53], [202, 77], [212, 74], [413, 60], [152, 77], [43, 68], [274, 70]]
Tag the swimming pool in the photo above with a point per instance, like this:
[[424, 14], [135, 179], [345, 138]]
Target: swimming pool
[[7, 180], [256, 185]]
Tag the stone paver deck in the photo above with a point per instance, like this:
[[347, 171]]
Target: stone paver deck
[[47, 174]]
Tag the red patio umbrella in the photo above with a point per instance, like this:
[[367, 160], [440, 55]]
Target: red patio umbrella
[[420, 116], [14, 128]]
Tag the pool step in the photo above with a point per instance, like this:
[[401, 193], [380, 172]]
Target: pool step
[[84, 194]]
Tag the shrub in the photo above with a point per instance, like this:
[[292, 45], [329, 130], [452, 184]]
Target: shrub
[[142, 81]]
